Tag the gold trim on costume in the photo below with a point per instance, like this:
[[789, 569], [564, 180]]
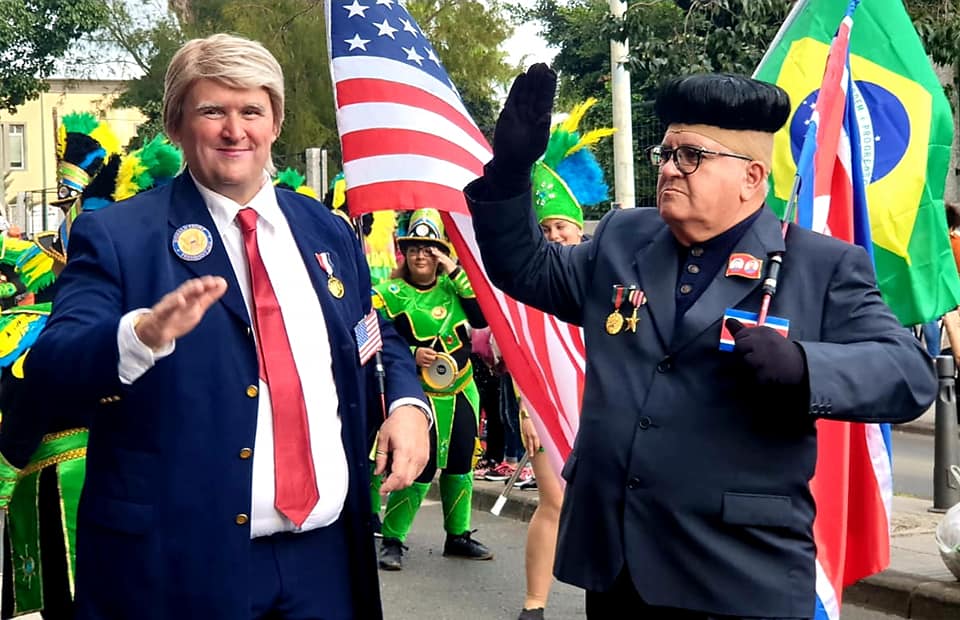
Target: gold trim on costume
[[69, 455]]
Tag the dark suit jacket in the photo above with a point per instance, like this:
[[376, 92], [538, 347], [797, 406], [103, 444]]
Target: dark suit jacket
[[682, 472], [157, 528]]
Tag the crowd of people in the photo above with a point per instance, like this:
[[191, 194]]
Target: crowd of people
[[195, 423]]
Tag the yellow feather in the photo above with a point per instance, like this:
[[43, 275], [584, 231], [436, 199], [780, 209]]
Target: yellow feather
[[380, 240], [306, 190], [130, 168], [571, 123], [107, 139], [590, 138], [61, 141]]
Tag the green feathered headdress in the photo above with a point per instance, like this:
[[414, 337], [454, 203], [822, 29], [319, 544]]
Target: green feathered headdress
[[292, 179], [152, 165], [568, 176], [84, 144]]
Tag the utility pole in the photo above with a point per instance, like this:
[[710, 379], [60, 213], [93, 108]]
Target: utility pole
[[622, 116]]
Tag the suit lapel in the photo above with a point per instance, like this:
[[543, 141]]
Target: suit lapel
[[187, 207], [657, 264], [761, 240]]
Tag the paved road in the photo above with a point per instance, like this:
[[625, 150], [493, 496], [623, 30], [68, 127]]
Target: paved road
[[913, 464], [431, 586]]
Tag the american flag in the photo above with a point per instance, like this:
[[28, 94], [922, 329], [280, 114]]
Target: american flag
[[853, 482], [409, 142], [367, 332], [407, 139]]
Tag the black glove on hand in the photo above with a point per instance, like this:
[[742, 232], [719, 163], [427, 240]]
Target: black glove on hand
[[523, 128], [774, 359]]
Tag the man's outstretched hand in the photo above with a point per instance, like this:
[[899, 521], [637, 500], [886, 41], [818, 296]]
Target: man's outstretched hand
[[523, 128]]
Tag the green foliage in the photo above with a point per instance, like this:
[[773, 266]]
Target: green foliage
[[33, 35], [938, 23]]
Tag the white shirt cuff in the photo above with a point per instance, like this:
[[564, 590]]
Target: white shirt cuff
[[136, 358], [416, 402]]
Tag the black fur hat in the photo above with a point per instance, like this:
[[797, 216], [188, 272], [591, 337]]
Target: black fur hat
[[723, 100]]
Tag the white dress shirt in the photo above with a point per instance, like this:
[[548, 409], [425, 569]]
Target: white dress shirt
[[311, 353]]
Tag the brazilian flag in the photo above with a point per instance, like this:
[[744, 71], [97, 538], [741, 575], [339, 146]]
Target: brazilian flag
[[906, 130]]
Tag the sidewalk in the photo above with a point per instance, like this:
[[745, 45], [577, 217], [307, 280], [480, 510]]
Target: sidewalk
[[924, 425], [917, 585]]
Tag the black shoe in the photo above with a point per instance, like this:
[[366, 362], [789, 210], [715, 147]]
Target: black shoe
[[531, 614], [377, 526], [463, 546], [391, 554]]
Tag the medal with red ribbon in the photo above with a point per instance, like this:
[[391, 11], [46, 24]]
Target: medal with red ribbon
[[615, 319], [637, 298], [333, 282]]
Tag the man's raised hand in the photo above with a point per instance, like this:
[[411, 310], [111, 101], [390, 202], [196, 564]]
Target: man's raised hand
[[179, 311]]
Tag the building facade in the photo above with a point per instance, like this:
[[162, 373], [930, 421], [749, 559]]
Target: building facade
[[28, 144]]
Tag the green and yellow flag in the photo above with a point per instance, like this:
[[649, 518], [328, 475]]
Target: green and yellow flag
[[906, 124]]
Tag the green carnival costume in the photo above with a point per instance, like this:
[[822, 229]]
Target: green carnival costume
[[41, 497], [437, 317]]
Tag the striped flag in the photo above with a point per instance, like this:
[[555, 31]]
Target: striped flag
[[409, 142], [853, 484], [368, 336]]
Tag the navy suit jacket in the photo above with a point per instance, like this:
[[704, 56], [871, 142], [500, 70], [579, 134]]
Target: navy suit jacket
[[683, 471], [158, 533]]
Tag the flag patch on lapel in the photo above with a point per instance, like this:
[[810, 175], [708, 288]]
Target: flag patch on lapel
[[368, 336], [749, 319], [744, 266]]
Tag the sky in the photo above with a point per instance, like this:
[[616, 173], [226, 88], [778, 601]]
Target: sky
[[524, 47]]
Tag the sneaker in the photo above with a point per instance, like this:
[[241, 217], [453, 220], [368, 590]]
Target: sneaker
[[526, 485], [377, 526], [501, 472], [525, 474], [463, 546], [391, 554], [483, 468], [531, 614]]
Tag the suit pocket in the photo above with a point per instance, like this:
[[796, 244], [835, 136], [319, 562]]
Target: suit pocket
[[569, 468], [757, 510], [117, 514]]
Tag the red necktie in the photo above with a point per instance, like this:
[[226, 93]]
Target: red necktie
[[295, 476]]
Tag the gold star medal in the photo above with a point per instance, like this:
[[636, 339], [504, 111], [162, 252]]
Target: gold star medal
[[636, 298], [334, 284], [615, 319]]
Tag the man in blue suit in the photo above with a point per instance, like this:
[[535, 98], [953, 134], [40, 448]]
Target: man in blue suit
[[209, 328], [687, 491]]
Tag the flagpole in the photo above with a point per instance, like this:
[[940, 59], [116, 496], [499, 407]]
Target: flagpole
[[622, 116]]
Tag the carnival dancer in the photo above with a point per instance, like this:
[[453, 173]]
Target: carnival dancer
[[567, 178], [431, 305], [42, 470]]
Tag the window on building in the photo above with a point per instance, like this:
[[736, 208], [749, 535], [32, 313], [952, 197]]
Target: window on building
[[17, 147]]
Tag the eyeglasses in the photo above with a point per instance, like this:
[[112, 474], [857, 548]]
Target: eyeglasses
[[414, 250], [686, 158]]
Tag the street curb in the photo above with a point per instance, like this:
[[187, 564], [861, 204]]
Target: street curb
[[893, 592], [906, 595]]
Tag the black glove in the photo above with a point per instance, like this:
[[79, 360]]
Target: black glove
[[774, 359], [523, 127]]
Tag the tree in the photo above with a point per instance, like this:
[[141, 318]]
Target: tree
[[33, 35]]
